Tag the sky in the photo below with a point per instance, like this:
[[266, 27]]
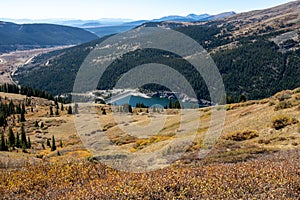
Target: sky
[[126, 9]]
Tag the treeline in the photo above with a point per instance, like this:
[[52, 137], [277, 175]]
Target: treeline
[[23, 90], [57, 78], [30, 92], [254, 68]]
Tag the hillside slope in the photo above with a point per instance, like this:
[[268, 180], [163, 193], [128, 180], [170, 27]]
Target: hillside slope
[[25, 36], [257, 155], [255, 55]]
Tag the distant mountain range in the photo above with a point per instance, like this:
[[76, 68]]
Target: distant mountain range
[[103, 27], [107, 30], [27, 36], [257, 53], [193, 17]]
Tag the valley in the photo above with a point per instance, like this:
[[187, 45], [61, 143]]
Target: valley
[[266, 67], [10, 62], [86, 114]]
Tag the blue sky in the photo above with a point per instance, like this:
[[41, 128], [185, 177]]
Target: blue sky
[[129, 9]]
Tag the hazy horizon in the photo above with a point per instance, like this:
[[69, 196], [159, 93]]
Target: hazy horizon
[[118, 9]]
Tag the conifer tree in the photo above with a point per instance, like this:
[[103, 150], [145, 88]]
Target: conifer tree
[[6, 144], [23, 108], [242, 98], [56, 103], [48, 143], [3, 146], [11, 107], [23, 137], [11, 137], [70, 110], [51, 111], [23, 111], [28, 143], [18, 142], [56, 112], [53, 147]]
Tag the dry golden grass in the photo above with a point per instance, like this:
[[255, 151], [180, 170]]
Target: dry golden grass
[[252, 115], [270, 177], [65, 173]]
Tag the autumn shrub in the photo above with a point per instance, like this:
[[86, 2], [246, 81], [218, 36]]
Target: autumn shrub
[[242, 135], [108, 126], [284, 95], [279, 122], [283, 105], [142, 143], [126, 139], [296, 91], [272, 103], [264, 141]]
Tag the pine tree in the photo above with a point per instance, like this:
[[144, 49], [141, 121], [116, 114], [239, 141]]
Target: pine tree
[[6, 144], [11, 107], [56, 112], [53, 147], [51, 111], [60, 144], [23, 137], [23, 111], [18, 109], [28, 143], [130, 109], [2, 143], [11, 137], [48, 143], [242, 98], [70, 110], [56, 103], [18, 142], [36, 124], [22, 116], [62, 107]]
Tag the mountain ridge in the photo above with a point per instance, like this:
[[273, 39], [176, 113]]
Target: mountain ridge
[[26, 36], [103, 27], [250, 62]]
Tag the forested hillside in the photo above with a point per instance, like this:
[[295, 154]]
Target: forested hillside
[[250, 62], [27, 36]]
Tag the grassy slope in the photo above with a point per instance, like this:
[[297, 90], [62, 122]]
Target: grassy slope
[[262, 174]]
